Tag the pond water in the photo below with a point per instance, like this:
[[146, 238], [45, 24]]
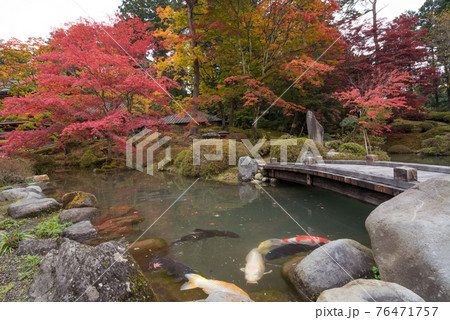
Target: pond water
[[241, 208], [415, 158]]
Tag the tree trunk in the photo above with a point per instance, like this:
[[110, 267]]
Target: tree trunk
[[375, 28], [196, 65], [294, 123], [232, 107]]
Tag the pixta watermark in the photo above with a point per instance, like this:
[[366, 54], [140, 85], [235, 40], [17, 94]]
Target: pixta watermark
[[150, 143]]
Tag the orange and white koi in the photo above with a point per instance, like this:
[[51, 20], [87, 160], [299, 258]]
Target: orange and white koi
[[210, 286], [265, 246]]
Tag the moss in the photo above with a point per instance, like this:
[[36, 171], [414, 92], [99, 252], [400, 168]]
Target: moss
[[43, 164], [346, 156], [438, 131], [399, 149], [209, 168], [89, 159], [440, 116], [228, 176], [293, 151], [352, 148], [180, 157], [269, 295]]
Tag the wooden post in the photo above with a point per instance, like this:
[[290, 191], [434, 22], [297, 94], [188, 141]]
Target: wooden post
[[405, 174]]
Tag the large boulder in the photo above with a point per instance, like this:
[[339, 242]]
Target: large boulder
[[315, 129], [363, 290], [81, 231], [331, 266], [247, 167], [79, 199], [32, 207], [36, 246], [79, 214], [411, 240], [16, 194], [78, 272]]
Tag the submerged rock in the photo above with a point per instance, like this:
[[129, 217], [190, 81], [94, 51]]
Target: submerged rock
[[79, 199], [81, 231], [78, 272], [331, 265], [363, 290], [247, 168], [226, 297], [78, 214], [36, 246], [32, 207], [411, 240]]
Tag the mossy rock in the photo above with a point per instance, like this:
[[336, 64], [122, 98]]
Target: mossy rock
[[293, 151], [440, 116], [334, 144], [352, 148], [79, 199], [399, 149], [42, 164], [167, 290], [209, 168], [382, 156]]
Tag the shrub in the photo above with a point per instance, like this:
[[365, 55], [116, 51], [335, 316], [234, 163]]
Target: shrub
[[334, 144], [180, 157], [382, 156], [88, 159], [293, 151], [209, 168], [11, 240], [439, 145], [50, 228], [399, 149], [438, 131], [42, 164], [14, 170], [352, 148], [346, 156]]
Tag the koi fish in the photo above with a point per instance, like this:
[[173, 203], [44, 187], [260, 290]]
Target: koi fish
[[200, 234], [289, 250], [211, 286], [173, 267], [265, 246], [254, 268]]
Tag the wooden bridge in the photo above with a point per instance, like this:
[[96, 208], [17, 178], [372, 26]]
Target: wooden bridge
[[372, 182]]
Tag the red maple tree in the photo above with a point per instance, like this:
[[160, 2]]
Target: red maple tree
[[94, 81]]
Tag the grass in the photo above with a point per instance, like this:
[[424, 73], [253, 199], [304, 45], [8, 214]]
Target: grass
[[29, 267], [51, 228], [11, 240], [5, 289]]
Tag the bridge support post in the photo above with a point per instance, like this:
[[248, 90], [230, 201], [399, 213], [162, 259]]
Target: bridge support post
[[405, 174]]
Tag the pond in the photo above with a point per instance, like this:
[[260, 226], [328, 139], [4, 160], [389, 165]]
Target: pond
[[242, 208]]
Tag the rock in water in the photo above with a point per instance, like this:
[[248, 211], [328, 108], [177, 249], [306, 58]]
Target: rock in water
[[411, 240], [315, 129], [247, 167], [81, 231], [79, 199], [363, 290], [330, 266], [32, 207], [36, 246], [78, 214], [78, 272]]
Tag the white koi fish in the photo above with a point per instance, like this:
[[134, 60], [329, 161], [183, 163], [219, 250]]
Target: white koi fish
[[210, 286], [254, 268]]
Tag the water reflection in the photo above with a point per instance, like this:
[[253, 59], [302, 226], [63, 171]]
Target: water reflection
[[132, 201]]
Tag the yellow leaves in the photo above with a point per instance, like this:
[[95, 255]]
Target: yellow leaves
[[165, 14]]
